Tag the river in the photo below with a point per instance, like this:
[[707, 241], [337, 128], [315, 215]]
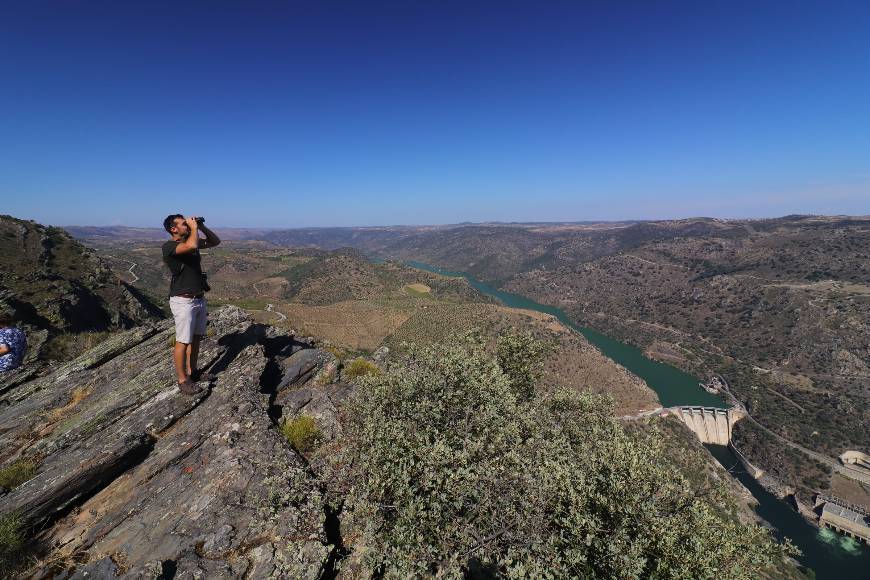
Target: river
[[827, 553]]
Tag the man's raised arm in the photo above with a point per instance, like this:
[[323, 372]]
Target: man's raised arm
[[211, 239]]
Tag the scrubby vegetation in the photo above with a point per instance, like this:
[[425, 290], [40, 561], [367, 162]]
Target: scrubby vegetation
[[52, 282], [302, 432], [520, 357], [778, 307], [360, 367], [11, 542], [16, 473], [67, 346], [455, 464]]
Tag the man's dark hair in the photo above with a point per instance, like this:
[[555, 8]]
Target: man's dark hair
[[169, 222]]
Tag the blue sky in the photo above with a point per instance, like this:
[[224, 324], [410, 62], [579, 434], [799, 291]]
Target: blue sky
[[285, 114]]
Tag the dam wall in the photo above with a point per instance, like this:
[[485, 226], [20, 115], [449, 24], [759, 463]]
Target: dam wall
[[710, 424]]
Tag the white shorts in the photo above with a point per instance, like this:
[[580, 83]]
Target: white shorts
[[190, 315]]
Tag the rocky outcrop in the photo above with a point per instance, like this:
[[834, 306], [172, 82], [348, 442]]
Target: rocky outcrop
[[50, 281], [136, 479]]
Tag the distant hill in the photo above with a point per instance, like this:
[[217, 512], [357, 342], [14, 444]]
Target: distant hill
[[779, 306], [494, 252], [118, 233], [52, 282]]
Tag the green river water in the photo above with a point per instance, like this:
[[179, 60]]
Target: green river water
[[827, 554]]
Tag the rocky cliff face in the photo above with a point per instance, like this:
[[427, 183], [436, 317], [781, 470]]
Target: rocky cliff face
[[51, 282], [135, 479]]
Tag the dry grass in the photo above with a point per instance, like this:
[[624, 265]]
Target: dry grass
[[78, 395], [664, 351], [360, 367], [302, 433], [357, 325], [17, 473], [578, 365], [270, 287], [548, 321]]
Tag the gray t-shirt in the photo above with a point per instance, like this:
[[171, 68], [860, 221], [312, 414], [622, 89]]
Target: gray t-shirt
[[186, 269]]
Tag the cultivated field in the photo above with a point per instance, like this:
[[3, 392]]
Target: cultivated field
[[354, 324]]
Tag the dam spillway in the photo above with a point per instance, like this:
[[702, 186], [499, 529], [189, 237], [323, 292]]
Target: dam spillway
[[710, 424]]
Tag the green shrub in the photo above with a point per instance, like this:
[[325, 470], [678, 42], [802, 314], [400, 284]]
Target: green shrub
[[453, 467], [302, 433], [360, 367], [16, 473], [11, 542], [326, 376], [337, 352], [520, 358]]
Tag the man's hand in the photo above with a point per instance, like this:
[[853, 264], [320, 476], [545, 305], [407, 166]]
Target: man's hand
[[192, 241], [211, 239]]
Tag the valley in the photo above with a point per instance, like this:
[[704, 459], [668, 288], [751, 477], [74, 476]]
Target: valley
[[777, 307]]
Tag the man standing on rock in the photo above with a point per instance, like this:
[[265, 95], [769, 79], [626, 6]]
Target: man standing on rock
[[187, 293]]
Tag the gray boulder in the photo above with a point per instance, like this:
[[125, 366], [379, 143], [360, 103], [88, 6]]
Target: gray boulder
[[298, 368]]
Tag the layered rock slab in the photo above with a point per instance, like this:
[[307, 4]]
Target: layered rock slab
[[147, 481]]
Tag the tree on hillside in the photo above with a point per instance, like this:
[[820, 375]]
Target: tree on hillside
[[457, 466]]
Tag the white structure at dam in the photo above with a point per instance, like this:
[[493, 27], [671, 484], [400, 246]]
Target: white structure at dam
[[710, 424], [713, 425]]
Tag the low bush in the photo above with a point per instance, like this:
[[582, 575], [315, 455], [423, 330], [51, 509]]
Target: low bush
[[326, 376], [360, 367], [337, 352], [16, 473], [302, 432], [455, 466], [520, 357], [11, 543]]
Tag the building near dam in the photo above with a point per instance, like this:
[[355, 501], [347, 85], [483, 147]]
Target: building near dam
[[845, 518], [856, 458]]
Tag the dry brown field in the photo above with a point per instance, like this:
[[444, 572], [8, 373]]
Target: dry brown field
[[418, 288], [354, 324], [578, 365]]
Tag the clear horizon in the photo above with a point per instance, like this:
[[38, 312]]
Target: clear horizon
[[362, 115], [463, 223]]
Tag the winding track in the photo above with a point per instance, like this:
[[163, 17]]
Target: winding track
[[132, 265], [281, 314], [135, 277], [269, 306]]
